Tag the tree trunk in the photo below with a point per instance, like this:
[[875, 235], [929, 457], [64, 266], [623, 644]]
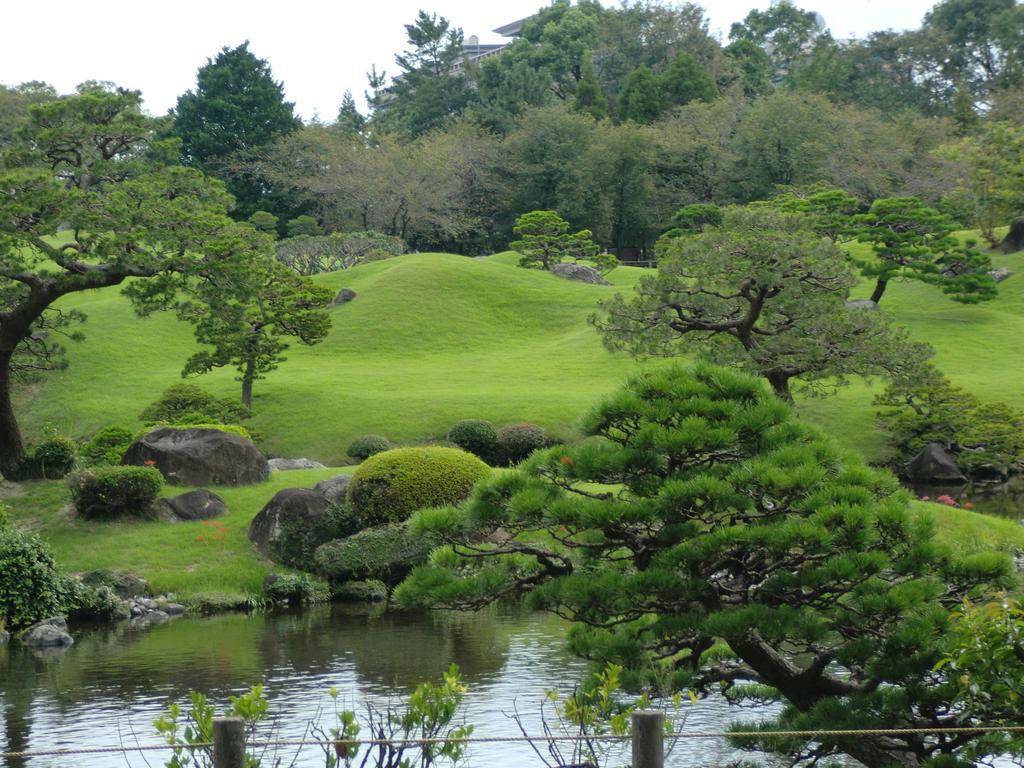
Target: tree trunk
[[880, 287], [12, 451], [247, 379], [780, 385]]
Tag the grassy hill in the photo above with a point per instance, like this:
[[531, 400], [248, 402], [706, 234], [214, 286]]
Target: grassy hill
[[434, 338], [431, 339]]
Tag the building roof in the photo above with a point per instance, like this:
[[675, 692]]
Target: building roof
[[513, 29]]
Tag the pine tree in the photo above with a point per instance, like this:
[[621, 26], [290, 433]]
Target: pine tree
[[589, 98]]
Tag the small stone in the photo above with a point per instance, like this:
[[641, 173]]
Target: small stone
[[581, 273], [157, 617], [199, 504], [862, 304], [282, 465], [1000, 273], [345, 295], [174, 609]]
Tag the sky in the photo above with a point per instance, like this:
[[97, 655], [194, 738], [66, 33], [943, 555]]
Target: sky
[[318, 49]]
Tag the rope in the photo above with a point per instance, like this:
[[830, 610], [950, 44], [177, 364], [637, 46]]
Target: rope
[[510, 739]]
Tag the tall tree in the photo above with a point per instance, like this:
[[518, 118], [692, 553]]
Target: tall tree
[[786, 33], [641, 98], [349, 121], [236, 107], [686, 80], [89, 165], [248, 331], [765, 292], [589, 98], [706, 537]]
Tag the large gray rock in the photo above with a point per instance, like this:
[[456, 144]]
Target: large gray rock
[[281, 465], [1014, 240], [200, 456], [933, 464], [333, 488], [345, 295], [581, 273], [862, 304], [48, 633], [199, 504], [293, 509]]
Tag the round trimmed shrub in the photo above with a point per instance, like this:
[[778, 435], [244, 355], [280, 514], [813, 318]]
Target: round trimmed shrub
[[366, 446], [390, 486], [477, 436], [52, 459], [115, 491], [387, 553], [31, 587], [517, 441], [107, 446]]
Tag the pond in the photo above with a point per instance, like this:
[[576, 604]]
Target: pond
[[109, 687], [999, 499]]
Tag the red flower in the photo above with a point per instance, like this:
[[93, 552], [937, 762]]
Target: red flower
[[150, 462], [567, 461]]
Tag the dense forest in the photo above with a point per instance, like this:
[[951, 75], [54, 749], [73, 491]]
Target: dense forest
[[616, 118]]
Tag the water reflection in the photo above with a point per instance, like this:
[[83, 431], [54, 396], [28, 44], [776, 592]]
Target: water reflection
[[110, 686], [999, 499]]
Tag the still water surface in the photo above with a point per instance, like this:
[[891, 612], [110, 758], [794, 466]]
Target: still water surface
[[110, 686]]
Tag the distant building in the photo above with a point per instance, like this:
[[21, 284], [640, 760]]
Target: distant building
[[473, 50]]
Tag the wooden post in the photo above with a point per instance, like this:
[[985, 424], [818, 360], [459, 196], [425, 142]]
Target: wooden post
[[228, 742], [648, 730]]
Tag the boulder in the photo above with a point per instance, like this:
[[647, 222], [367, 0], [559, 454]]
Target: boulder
[[281, 465], [345, 295], [1000, 273], [199, 456], [1014, 240], [333, 488], [581, 273], [862, 304], [362, 592], [933, 464], [293, 509], [199, 504], [48, 633]]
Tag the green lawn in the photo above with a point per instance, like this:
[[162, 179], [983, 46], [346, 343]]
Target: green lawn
[[431, 339]]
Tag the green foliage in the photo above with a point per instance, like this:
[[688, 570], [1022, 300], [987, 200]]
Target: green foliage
[[923, 406], [387, 553], [236, 107], [264, 221], [304, 226], [296, 589], [182, 403], [641, 98], [365, 446], [52, 459], [589, 99], [31, 587], [517, 441], [107, 446], [702, 512], [686, 81], [97, 603], [110, 492], [297, 542], [913, 241], [829, 208], [311, 255], [763, 291], [544, 240], [477, 436], [232, 429], [190, 734], [693, 218], [388, 487], [783, 31]]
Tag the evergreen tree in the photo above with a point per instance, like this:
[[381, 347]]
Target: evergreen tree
[[641, 99], [349, 120], [589, 98], [235, 108], [705, 536], [686, 80]]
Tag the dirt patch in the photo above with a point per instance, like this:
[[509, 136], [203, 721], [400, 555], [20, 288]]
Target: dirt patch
[[11, 490]]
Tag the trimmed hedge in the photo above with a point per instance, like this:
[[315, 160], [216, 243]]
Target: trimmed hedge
[[517, 441], [390, 486], [366, 446], [387, 553], [107, 446], [115, 491], [477, 436]]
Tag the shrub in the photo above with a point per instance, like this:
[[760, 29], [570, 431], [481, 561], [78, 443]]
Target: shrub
[[517, 441], [311, 255], [264, 221], [387, 553], [31, 587], [477, 436], [98, 603], [115, 491], [187, 403], [304, 225], [107, 446], [297, 543], [51, 459], [388, 487], [295, 589], [366, 446]]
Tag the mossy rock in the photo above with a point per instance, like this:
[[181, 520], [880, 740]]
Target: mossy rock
[[390, 486], [370, 591], [387, 553]]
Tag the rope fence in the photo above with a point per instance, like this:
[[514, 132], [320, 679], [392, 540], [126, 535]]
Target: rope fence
[[227, 726]]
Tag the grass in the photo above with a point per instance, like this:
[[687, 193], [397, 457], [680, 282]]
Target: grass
[[187, 558], [432, 339]]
